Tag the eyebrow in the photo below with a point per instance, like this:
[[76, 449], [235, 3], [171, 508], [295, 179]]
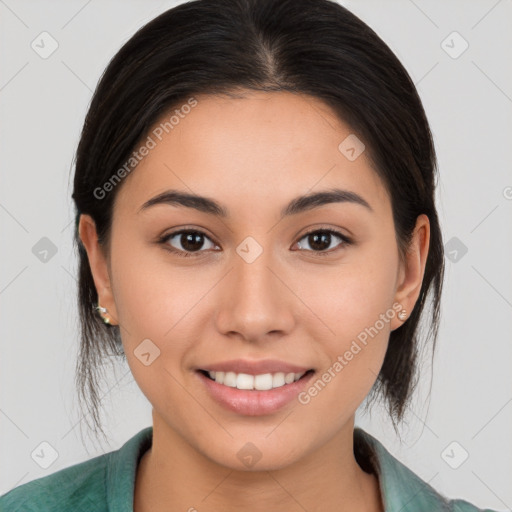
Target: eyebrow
[[295, 206]]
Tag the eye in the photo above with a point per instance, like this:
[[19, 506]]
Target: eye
[[186, 242], [321, 241]]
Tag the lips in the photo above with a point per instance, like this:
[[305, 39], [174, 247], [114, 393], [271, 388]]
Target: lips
[[254, 388], [255, 367]]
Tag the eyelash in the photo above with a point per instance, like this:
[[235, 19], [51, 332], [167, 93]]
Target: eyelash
[[164, 239]]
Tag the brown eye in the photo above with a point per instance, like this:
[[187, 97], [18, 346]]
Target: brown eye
[[322, 241], [187, 241]]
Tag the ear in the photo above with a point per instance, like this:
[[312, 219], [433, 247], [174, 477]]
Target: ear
[[99, 266], [412, 269]]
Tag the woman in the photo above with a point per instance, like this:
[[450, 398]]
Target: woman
[[258, 236]]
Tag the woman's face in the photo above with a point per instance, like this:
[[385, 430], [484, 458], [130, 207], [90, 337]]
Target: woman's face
[[251, 286]]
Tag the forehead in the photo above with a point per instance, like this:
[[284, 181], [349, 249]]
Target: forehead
[[262, 147]]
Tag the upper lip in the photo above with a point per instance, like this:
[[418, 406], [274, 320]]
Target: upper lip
[[255, 367]]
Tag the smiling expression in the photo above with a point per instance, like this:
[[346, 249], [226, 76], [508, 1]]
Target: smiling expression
[[246, 236]]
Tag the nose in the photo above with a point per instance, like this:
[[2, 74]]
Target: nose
[[255, 303]]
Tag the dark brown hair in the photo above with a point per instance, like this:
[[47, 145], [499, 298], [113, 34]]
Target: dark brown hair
[[312, 47]]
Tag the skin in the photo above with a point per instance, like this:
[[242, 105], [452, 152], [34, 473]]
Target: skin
[[253, 155]]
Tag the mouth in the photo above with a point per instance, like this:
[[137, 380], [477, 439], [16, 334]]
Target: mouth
[[260, 382], [253, 395]]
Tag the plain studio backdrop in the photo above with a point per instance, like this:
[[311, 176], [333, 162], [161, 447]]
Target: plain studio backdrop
[[457, 52]]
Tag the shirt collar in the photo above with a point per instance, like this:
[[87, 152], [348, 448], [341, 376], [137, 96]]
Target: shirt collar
[[122, 470], [401, 489]]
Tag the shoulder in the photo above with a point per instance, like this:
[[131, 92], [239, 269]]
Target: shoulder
[[401, 488], [79, 487], [97, 484]]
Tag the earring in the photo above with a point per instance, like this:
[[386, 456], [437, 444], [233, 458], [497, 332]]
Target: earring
[[402, 315], [102, 312]]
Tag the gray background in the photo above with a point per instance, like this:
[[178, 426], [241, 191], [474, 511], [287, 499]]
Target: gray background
[[468, 99]]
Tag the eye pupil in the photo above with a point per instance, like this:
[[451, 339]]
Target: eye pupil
[[320, 240], [192, 241]]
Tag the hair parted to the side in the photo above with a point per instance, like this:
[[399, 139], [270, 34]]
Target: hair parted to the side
[[310, 47]]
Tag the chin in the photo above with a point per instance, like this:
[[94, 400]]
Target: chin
[[253, 456]]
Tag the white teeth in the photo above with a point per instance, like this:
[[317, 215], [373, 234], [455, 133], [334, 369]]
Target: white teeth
[[278, 380], [263, 382], [229, 379], [289, 378], [260, 382], [244, 381]]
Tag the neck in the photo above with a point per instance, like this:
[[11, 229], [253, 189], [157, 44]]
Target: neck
[[173, 476]]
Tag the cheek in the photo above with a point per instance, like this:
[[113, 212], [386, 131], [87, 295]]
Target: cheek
[[153, 301], [156, 334], [151, 295], [354, 303], [352, 295]]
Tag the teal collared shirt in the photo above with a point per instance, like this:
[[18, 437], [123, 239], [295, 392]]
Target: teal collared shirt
[[106, 483]]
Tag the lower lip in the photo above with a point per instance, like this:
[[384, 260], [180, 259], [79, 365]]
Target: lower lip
[[253, 402]]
